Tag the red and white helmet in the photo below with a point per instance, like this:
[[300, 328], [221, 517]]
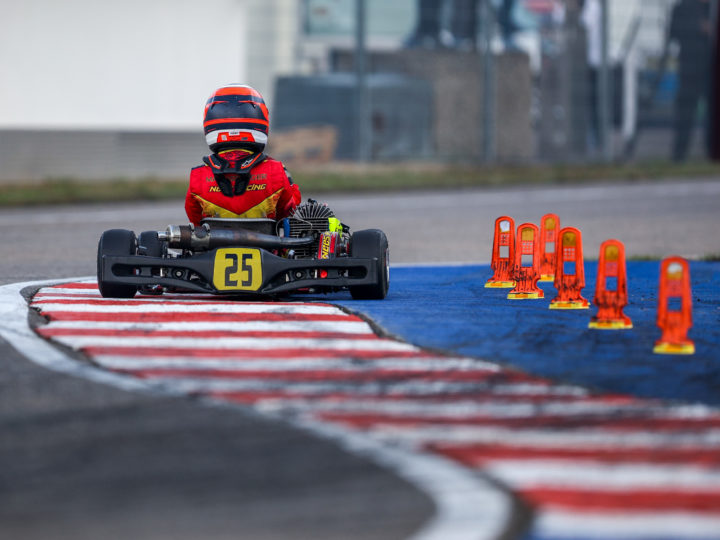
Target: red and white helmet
[[236, 117]]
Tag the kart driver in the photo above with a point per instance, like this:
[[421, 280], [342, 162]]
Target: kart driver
[[238, 180]]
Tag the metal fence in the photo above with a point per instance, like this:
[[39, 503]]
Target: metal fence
[[508, 81]]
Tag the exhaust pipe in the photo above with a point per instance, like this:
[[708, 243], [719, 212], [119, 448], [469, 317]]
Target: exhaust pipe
[[204, 238]]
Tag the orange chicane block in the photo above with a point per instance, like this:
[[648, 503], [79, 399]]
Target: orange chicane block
[[526, 270], [570, 272], [611, 294], [549, 230], [503, 254], [674, 315]]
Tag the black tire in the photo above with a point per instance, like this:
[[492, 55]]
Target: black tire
[[371, 244], [115, 242]]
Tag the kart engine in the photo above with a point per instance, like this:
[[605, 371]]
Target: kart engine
[[315, 220], [312, 231], [308, 217]]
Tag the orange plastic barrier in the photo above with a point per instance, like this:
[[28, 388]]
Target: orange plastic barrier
[[611, 294], [549, 230], [570, 272], [503, 254], [674, 307], [526, 270]]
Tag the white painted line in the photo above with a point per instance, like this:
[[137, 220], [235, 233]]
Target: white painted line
[[244, 343], [569, 474], [287, 364], [556, 524], [51, 293], [544, 438], [420, 408], [54, 293], [344, 327], [380, 389], [197, 307], [152, 299]]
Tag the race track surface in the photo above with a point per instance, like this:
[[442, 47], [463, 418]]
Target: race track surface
[[88, 456], [622, 465]]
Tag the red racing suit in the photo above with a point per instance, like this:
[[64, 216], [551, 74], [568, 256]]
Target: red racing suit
[[270, 193]]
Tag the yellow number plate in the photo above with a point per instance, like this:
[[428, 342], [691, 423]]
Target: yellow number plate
[[237, 269]]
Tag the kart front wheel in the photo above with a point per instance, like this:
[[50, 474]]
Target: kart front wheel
[[371, 244], [115, 242]]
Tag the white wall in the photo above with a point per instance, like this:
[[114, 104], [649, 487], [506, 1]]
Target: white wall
[[117, 64], [272, 35]]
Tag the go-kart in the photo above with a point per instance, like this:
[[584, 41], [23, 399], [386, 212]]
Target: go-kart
[[309, 252]]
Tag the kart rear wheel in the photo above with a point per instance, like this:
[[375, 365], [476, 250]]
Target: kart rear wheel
[[115, 242], [371, 244]]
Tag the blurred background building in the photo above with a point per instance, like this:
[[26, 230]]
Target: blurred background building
[[116, 89]]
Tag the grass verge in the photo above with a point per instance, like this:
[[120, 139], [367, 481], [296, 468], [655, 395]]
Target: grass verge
[[357, 177]]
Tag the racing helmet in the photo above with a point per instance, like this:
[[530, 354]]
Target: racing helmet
[[236, 117]]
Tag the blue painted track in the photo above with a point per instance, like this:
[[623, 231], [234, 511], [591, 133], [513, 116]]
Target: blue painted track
[[448, 308]]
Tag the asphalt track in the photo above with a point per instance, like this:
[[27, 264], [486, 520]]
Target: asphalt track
[[111, 455]]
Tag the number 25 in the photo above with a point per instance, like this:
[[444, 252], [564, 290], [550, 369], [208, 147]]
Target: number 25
[[232, 268]]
